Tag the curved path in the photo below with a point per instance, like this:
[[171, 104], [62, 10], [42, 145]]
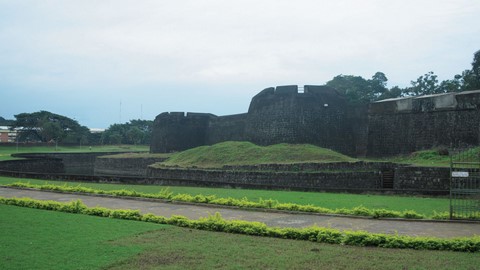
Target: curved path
[[413, 228]]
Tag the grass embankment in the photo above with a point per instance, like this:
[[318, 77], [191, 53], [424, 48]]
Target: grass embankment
[[246, 153], [422, 205], [70, 241], [435, 157], [6, 151]]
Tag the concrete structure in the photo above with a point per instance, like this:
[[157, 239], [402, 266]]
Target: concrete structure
[[7, 135], [319, 115]]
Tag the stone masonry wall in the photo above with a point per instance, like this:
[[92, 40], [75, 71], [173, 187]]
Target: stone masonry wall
[[406, 125], [47, 165], [422, 178], [226, 128], [317, 116], [176, 131], [296, 180], [124, 166], [72, 163], [309, 167]]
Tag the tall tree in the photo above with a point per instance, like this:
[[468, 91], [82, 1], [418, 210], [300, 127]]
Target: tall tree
[[471, 78], [46, 126], [357, 89], [133, 132], [425, 85]]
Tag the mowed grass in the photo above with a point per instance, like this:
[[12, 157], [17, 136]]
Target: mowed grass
[[246, 153], [39, 239], [422, 205], [6, 151]]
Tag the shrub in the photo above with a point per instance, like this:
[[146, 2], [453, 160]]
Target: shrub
[[217, 223]]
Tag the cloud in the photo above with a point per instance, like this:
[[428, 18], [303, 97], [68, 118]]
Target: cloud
[[226, 47]]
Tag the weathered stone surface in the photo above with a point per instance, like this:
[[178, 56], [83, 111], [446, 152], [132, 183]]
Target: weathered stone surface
[[321, 116], [124, 166], [318, 115], [449, 120]]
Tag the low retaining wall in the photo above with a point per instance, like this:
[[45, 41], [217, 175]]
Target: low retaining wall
[[47, 165], [358, 177], [422, 178], [299, 167], [73, 163], [315, 180], [123, 166]]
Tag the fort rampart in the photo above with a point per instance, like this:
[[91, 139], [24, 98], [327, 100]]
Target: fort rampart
[[319, 115]]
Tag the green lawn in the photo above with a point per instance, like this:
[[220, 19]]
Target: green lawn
[[6, 151], [422, 205], [39, 239]]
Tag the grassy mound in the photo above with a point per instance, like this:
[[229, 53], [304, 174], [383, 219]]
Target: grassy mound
[[246, 153], [437, 157]]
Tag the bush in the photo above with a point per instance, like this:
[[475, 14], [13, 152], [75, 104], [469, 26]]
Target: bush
[[244, 202], [217, 223]]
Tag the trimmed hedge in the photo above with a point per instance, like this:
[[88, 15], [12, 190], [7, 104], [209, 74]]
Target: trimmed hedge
[[217, 223], [165, 194]]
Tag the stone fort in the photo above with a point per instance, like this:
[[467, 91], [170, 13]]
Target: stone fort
[[321, 116]]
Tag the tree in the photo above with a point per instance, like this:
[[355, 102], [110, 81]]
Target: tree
[[454, 85], [378, 84], [133, 132], [46, 126], [357, 89], [471, 78], [394, 92], [135, 135], [424, 85]]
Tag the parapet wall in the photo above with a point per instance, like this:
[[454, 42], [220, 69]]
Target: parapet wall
[[405, 125], [226, 128], [176, 131], [67, 163], [319, 115], [315, 181], [315, 115]]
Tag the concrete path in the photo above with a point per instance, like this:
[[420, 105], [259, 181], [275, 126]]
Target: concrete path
[[413, 228]]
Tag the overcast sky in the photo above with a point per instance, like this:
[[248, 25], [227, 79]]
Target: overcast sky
[[105, 62]]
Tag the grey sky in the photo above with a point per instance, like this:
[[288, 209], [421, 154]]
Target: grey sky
[[83, 58]]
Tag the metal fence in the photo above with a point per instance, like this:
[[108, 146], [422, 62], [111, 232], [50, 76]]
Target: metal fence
[[465, 184]]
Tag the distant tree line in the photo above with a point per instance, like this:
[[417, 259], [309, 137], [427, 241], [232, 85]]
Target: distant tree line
[[47, 127], [133, 132], [360, 90]]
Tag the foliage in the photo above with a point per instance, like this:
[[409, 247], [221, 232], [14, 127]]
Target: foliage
[[357, 89], [46, 127], [247, 153], [422, 205], [166, 194], [217, 223], [424, 85], [133, 132]]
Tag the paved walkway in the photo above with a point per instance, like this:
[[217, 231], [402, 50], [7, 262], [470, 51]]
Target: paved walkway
[[413, 228]]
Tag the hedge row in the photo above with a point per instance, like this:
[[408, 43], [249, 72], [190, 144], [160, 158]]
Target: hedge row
[[166, 194], [217, 223]]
